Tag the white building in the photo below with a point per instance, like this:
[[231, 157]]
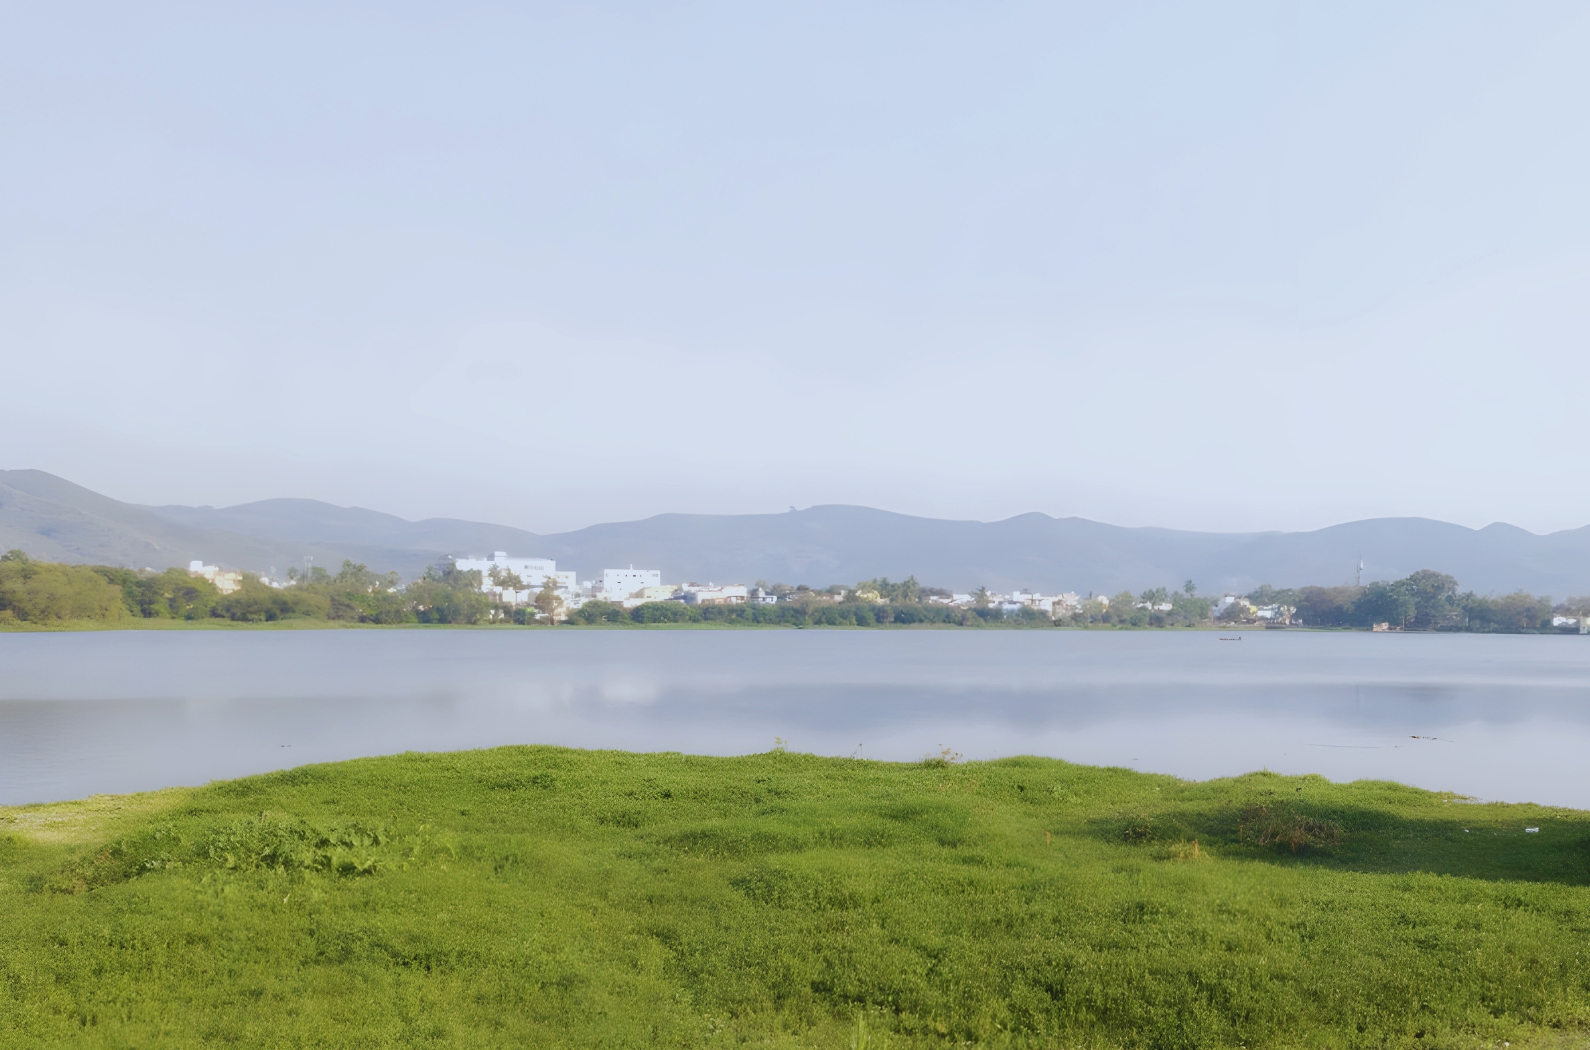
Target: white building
[[1031, 598], [757, 596], [225, 582], [532, 573], [1053, 604], [1050, 603], [618, 584]]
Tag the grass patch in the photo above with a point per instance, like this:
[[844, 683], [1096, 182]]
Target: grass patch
[[548, 897]]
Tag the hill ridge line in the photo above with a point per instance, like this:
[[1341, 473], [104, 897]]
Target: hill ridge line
[[54, 519]]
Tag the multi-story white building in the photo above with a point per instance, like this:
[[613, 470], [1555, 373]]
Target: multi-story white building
[[532, 573]]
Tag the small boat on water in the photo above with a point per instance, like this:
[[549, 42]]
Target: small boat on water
[[1238, 638]]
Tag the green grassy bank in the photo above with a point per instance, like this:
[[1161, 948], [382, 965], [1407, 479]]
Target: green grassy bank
[[545, 897]]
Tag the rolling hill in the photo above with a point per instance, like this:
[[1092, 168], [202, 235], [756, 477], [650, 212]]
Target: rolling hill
[[54, 519]]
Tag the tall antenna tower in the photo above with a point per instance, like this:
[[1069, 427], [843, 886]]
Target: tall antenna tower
[[1358, 577]]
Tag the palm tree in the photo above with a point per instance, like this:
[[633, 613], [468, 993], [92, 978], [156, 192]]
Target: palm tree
[[547, 600], [509, 581]]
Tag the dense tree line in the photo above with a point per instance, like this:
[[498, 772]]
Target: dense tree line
[[45, 591], [1159, 607], [35, 591], [817, 612], [1424, 601]]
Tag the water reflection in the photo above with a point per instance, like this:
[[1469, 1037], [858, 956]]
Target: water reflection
[[1503, 717]]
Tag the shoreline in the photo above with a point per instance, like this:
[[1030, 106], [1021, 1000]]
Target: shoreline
[[307, 624], [104, 799]]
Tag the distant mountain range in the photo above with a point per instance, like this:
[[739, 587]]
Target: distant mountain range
[[53, 519]]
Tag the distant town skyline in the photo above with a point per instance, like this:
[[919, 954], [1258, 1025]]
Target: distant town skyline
[[1232, 267]]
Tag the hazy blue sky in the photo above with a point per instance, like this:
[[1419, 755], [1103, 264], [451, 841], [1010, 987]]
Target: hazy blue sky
[[1200, 265]]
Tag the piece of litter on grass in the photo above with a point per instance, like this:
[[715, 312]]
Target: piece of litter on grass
[[1530, 831]]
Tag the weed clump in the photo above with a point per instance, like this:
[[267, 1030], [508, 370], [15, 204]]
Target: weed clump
[[1267, 826], [156, 848], [287, 845]]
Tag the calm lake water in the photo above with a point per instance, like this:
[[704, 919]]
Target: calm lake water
[[1505, 718]]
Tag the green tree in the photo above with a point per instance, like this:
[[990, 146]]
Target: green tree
[[1187, 609], [1384, 602], [1519, 611], [1327, 606], [256, 602], [1121, 609], [357, 577], [510, 584], [1434, 597], [357, 593], [507, 579], [1238, 611], [906, 591], [598, 611], [547, 601], [447, 594], [665, 612], [40, 591]]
